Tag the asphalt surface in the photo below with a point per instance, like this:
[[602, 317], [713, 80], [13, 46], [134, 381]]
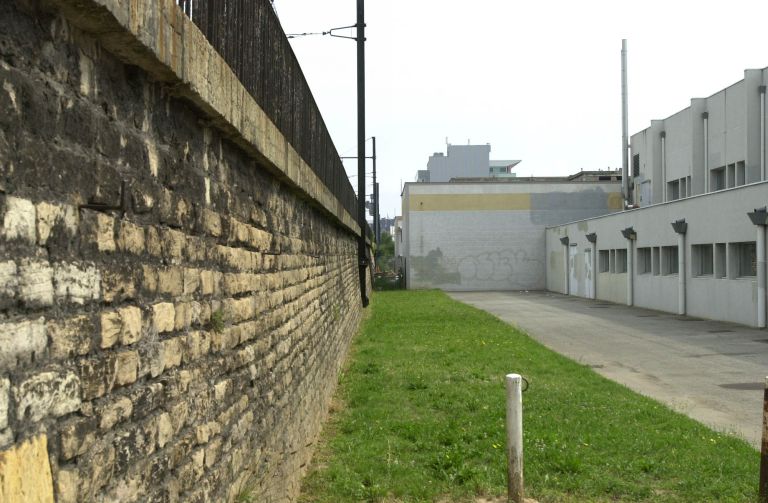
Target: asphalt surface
[[711, 371]]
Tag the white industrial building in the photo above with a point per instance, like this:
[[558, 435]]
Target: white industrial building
[[696, 244], [489, 234]]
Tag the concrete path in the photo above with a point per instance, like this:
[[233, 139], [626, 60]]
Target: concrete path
[[712, 371]]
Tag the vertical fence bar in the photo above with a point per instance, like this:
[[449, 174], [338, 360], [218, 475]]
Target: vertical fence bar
[[514, 438], [763, 498]]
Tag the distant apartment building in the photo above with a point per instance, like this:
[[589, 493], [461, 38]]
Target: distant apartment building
[[471, 161]]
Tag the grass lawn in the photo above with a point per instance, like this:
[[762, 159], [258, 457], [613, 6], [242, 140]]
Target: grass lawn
[[421, 418]]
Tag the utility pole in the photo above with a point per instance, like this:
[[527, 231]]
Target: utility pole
[[361, 249], [376, 220]]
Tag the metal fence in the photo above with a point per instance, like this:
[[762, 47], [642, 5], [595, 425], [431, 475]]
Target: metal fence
[[248, 35]]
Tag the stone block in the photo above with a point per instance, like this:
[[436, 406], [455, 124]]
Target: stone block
[[149, 278], [36, 283], [5, 392], [21, 342], [76, 437], [191, 280], [126, 367], [47, 394], [71, 336], [9, 280], [172, 352], [76, 284], [67, 483], [172, 242], [120, 410], [211, 222], [153, 243], [117, 286], [170, 281], [130, 238], [178, 416], [198, 344], [110, 329], [49, 215], [96, 376], [131, 325], [164, 429], [19, 220], [98, 229], [163, 317], [26, 472]]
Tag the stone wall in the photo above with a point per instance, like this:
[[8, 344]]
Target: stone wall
[[173, 310]]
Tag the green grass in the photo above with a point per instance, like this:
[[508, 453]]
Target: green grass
[[422, 419]]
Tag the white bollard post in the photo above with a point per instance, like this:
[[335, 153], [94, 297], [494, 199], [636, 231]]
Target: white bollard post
[[514, 438]]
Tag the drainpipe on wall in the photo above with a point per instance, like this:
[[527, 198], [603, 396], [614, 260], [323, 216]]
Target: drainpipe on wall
[[680, 227], [705, 117], [630, 235], [762, 133], [565, 241], [759, 217], [663, 166], [592, 238]]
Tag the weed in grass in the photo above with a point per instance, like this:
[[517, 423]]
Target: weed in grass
[[424, 421]]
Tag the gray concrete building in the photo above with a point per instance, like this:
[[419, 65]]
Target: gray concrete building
[[695, 245], [465, 161]]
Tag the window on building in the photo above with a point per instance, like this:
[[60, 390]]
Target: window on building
[[731, 173], [721, 270], [644, 261], [688, 187], [669, 260], [604, 262], [655, 261], [717, 179], [621, 261], [636, 165], [741, 173], [702, 257], [743, 259], [673, 190], [612, 268]]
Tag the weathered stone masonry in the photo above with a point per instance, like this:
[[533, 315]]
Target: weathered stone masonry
[[173, 313]]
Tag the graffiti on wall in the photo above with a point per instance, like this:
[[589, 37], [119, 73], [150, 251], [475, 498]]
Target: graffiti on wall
[[503, 266]]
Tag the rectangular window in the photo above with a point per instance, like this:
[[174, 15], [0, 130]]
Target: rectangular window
[[731, 175], [717, 179], [683, 188], [612, 268], [741, 173], [688, 187], [703, 260], [673, 190], [621, 261], [603, 261], [655, 260], [636, 165], [644, 261], [669, 260], [720, 261], [744, 259]]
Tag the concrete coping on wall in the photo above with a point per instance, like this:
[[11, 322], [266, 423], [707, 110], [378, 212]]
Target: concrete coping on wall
[[676, 201], [158, 37]]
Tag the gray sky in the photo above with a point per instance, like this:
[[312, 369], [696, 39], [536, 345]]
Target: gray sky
[[538, 80]]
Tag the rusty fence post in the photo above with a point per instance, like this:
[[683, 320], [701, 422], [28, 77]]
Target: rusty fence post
[[514, 438], [763, 498]]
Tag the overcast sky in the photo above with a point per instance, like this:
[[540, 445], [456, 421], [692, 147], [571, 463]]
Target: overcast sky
[[538, 80]]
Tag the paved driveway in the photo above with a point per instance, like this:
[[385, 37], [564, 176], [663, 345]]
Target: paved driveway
[[712, 371]]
